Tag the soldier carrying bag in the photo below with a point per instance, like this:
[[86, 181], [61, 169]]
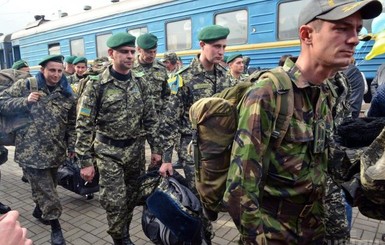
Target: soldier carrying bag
[[214, 121]]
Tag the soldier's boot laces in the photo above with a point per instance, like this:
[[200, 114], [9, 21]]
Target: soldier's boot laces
[[37, 213], [123, 241], [56, 233]]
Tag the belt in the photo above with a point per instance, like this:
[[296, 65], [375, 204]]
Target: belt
[[277, 206], [113, 142]]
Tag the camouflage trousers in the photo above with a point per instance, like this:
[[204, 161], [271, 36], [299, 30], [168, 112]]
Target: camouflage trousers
[[337, 227], [119, 169], [43, 185], [281, 229], [174, 144]]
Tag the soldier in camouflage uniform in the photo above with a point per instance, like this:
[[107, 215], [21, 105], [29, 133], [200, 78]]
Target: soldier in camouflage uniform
[[119, 107], [292, 188], [235, 74], [80, 64], [21, 65], [42, 145]]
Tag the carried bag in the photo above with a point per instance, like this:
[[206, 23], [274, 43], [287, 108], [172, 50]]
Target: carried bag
[[69, 178]]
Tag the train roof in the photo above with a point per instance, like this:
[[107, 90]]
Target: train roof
[[98, 13]]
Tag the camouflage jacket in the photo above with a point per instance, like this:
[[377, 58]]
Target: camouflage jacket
[[43, 143], [234, 81], [297, 168], [117, 109], [197, 84], [155, 77]]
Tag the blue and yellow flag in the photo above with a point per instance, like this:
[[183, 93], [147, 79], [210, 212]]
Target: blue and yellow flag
[[175, 83]]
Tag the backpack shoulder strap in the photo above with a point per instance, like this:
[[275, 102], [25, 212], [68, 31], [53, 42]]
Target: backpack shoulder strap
[[33, 87], [282, 116]]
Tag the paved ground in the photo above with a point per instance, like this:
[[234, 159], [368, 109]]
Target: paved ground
[[84, 221]]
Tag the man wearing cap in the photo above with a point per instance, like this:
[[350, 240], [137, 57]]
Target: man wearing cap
[[69, 68], [170, 61], [153, 73], [21, 65], [236, 70], [291, 209], [80, 65], [121, 110], [43, 144]]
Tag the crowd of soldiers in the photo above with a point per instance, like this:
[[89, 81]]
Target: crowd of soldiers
[[103, 115]]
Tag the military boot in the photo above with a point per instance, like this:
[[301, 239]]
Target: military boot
[[37, 213], [4, 208], [56, 233], [123, 241]]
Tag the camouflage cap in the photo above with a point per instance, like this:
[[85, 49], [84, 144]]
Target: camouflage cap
[[233, 57], [213, 33], [338, 9], [170, 57], [55, 58], [70, 59], [147, 41], [19, 64], [79, 60], [121, 39], [101, 60]]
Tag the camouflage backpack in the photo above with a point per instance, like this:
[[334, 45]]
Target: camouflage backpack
[[214, 121]]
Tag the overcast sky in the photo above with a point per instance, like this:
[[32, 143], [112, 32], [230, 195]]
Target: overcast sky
[[16, 14]]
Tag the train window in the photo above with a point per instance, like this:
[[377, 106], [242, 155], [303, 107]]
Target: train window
[[288, 19], [138, 31], [178, 35], [54, 48], [101, 47], [77, 47], [236, 21]]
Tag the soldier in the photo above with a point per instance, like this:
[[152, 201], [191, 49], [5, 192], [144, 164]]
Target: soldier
[[236, 70], [153, 72], [21, 65], [170, 61], [119, 107], [69, 68], [80, 65], [291, 211], [41, 146], [202, 78]]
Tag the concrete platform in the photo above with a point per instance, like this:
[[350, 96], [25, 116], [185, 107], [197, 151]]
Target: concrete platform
[[84, 221]]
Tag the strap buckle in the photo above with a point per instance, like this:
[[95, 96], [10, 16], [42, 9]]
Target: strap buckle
[[306, 210]]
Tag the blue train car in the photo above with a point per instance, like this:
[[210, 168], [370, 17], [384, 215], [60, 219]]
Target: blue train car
[[261, 29]]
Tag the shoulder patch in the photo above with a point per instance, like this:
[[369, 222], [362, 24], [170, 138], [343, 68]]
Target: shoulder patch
[[85, 111], [137, 73], [183, 69]]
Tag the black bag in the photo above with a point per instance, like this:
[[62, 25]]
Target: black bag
[[3, 154], [173, 206], [69, 178]]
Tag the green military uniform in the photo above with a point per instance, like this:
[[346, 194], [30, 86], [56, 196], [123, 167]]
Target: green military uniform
[[291, 209], [75, 78], [234, 81], [41, 146]]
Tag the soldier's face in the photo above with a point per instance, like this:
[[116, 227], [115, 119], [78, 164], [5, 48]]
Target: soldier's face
[[213, 52], [80, 68], [122, 58], [147, 55], [237, 66], [52, 72]]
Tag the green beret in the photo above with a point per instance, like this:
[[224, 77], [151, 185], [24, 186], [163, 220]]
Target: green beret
[[147, 41], [121, 39], [233, 57], [213, 33], [55, 58], [80, 60], [19, 64], [70, 59]]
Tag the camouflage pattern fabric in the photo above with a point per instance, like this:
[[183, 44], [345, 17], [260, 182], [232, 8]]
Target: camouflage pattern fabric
[[119, 189], [9, 76], [296, 175], [119, 110], [44, 191], [44, 142], [234, 81], [155, 77]]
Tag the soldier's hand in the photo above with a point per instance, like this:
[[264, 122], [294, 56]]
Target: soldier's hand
[[33, 97], [166, 169], [87, 173]]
